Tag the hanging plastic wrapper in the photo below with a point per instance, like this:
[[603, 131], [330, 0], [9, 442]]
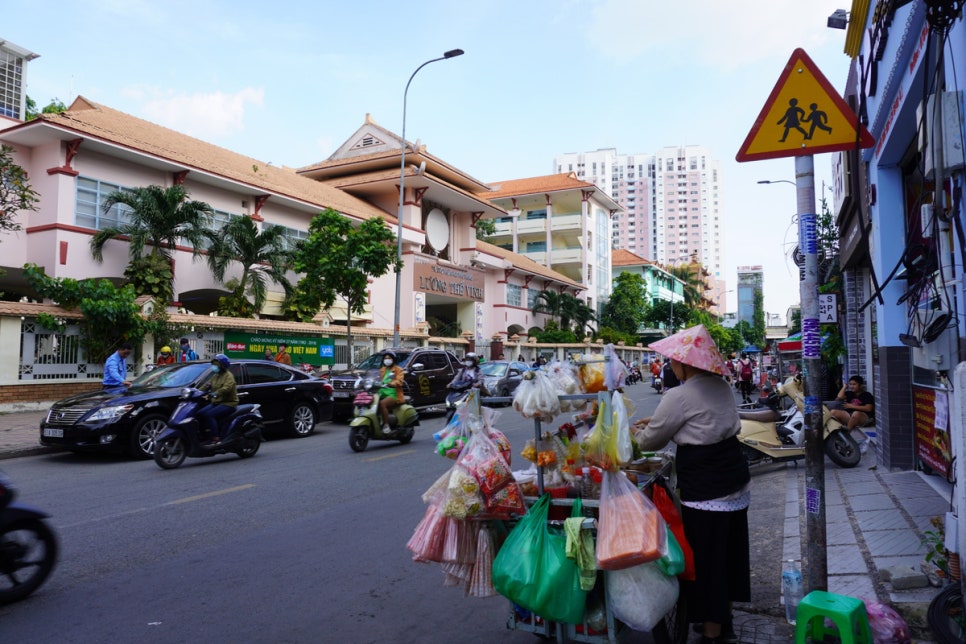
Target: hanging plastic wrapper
[[630, 529], [536, 397], [608, 445], [566, 382]]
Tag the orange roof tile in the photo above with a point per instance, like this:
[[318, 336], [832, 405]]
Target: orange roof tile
[[621, 257], [535, 185]]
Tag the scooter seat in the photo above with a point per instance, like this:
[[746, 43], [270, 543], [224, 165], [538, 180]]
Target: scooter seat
[[761, 416], [242, 409]]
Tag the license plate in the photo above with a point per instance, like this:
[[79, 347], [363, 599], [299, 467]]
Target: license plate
[[341, 394], [50, 432]]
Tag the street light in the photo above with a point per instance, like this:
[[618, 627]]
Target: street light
[[452, 53], [777, 181]]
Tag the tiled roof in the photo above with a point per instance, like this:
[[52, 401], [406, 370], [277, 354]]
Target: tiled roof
[[526, 264], [536, 185], [97, 121], [621, 257]]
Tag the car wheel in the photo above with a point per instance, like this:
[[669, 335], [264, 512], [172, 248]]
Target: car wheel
[[505, 394], [170, 453], [302, 419], [358, 438], [144, 434]]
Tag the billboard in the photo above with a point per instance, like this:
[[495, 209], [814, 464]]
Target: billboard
[[312, 350]]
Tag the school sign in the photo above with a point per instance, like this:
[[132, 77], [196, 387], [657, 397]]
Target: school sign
[[314, 351]]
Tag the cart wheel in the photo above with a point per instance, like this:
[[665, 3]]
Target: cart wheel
[[673, 627]]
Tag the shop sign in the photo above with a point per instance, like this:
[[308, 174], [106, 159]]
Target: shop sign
[[450, 281], [310, 350], [827, 308], [930, 413]]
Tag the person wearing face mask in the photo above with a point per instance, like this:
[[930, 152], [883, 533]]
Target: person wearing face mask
[[223, 395], [391, 393], [469, 373]]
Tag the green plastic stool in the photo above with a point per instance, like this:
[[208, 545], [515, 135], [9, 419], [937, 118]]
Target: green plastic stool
[[847, 613]]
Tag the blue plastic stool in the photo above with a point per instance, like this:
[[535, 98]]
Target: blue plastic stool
[[847, 613]]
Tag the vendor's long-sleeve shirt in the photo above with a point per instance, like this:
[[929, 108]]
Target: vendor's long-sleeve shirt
[[701, 411]]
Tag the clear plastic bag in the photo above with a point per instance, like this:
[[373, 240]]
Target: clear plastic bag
[[536, 397], [640, 595], [630, 530]]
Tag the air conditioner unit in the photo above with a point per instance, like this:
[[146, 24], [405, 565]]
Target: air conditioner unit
[[937, 334]]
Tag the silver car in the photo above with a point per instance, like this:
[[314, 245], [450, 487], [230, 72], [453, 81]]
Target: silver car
[[501, 377]]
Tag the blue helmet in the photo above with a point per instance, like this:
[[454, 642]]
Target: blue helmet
[[222, 360]]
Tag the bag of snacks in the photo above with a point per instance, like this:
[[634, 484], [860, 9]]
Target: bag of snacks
[[565, 380], [482, 459], [591, 372], [536, 397], [630, 530]]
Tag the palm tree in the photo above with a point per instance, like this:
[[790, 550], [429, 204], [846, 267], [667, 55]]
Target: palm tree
[[157, 217], [548, 302], [263, 256], [577, 310], [693, 284]]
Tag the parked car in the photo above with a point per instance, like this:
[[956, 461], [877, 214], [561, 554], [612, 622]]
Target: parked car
[[291, 401], [501, 377], [428, 370]]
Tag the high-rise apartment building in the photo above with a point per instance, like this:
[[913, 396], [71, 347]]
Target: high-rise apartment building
[[672, 212], [751, 281]]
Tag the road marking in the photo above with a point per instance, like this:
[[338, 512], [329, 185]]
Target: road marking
[[393, 455], [208, 495]]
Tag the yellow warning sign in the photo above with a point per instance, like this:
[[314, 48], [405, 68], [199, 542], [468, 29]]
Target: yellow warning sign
[[803, 115]]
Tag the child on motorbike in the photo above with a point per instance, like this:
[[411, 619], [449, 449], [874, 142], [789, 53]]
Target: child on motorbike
[[391, 393], [223, 395]]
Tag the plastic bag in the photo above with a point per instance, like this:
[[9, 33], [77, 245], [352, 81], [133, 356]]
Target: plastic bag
[[886, 624], [591, 372], [484, 461], [533, 571], [615, 373], [608, 445], [640, 595], [566, 382], [536, 397], [662, 500], [630, 530], [671, 562]]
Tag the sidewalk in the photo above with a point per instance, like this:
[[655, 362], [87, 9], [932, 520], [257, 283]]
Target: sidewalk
[[874, 522]]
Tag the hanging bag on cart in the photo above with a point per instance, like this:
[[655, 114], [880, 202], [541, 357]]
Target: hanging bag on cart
[[533, 571]]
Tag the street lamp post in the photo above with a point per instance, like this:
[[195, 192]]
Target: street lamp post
[[452, 53]]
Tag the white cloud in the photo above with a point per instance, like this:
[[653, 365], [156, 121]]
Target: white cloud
[[721, 35], [205, 115]]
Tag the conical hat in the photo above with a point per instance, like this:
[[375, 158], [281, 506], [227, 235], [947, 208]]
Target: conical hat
[[692, 346]]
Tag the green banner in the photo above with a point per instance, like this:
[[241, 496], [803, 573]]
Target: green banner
[[314, 351]]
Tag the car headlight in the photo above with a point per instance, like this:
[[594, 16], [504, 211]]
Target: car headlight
[[110, 414]]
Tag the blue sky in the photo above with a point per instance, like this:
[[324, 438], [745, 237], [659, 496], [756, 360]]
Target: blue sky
[[287, 82]]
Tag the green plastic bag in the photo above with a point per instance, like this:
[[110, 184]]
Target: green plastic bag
[[532, 569], [671, 563]]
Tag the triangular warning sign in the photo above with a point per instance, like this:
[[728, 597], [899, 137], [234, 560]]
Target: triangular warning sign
[[803, 115]]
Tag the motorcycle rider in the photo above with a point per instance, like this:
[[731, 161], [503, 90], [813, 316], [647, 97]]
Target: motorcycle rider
[[391, 376], [469, 372], [223, 395]]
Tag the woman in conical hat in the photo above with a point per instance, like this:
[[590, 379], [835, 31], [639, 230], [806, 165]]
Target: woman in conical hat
[[701, 418]]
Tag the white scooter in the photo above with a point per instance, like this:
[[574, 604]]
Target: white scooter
[[767, 435]]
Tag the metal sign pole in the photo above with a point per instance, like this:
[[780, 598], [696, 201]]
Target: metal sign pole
[[816, 563]]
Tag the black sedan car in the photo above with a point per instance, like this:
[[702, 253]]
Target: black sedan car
[[291, 401]]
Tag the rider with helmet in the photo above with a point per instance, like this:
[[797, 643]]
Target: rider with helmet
[[223, 396], [469, 373], [391, 393], [166, 356]]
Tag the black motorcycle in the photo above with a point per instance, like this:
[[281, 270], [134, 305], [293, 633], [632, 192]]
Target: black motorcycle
[[28, 546], [458, 393]]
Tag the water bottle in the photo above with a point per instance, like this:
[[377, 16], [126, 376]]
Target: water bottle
[[792, 588], [586, 484]]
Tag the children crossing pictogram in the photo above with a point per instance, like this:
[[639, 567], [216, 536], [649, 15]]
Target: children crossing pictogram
[[786, 128]]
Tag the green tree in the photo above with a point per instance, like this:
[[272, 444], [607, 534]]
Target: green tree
[[757, 335], [662, 315], [575, 315], [159, 218], [15, 191], [263, 256], [627, 306], [111, 315], [548, 302], [693, 284], [337, 260], [485, 229], [56, 106]]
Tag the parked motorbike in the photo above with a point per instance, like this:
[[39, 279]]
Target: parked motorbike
[[367, 422], [184, 437], [658, 384], [769, 435], [28, 546]]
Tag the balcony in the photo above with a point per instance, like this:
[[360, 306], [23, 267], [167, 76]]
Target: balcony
[[565, 222], [525, 226], [570, 255]]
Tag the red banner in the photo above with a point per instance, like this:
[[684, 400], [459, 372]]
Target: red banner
[[932, 443]]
